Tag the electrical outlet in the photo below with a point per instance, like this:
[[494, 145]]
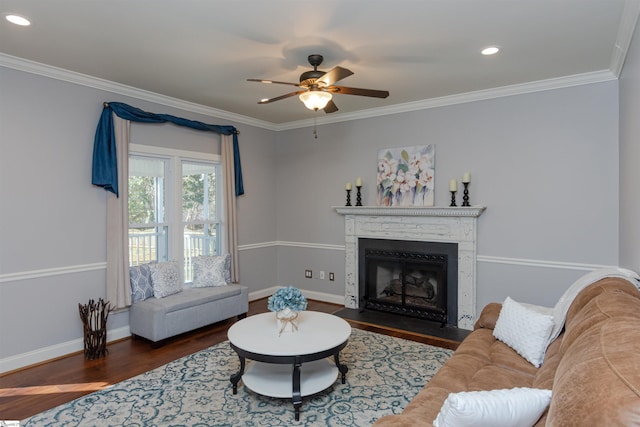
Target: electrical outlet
[[321, 275], [332, 277], [308, 274]]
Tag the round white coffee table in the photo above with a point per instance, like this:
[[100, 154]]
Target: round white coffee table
[[319, 336]]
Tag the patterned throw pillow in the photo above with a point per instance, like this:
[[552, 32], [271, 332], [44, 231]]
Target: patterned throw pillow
[[211, 271], [140, 278], [165, 278], [524, 329]]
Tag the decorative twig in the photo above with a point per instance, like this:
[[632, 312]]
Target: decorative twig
[[94, 318]]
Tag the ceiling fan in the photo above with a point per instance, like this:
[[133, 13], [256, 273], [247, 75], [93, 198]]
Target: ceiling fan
[[317, 87]]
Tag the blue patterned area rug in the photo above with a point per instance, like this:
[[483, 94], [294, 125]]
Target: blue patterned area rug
[[385, 373]]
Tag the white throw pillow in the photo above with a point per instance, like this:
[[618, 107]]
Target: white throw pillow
[[525, 330], [211, 271], [516, 407], [165, 278]]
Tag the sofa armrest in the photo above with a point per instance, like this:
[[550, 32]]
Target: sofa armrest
[[489, 316]]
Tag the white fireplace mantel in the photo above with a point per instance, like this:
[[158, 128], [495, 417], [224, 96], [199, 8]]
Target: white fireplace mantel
[[425, 224]]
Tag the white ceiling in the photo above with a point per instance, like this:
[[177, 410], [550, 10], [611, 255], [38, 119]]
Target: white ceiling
[[419, 50]]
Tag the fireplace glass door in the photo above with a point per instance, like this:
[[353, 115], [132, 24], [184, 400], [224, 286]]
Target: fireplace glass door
[[410, 278], [409, 283]]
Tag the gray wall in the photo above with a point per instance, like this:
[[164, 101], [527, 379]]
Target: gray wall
[[544, 164], [52, 220], [629, 158]]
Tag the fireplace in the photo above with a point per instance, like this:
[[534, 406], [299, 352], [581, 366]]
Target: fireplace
[[411, 278], [456, 225]]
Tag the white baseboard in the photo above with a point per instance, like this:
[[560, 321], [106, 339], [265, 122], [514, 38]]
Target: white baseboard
[[324, 297], [48, 353], [262, 293], [318, 296], [44, 354]]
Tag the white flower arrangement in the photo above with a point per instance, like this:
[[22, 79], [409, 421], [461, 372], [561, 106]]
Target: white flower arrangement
[[406, 176], [288, 297]]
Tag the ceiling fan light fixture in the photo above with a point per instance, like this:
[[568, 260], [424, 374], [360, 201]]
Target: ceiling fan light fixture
[[315, 99]]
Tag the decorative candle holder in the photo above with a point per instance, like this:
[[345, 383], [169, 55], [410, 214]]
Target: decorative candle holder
[[465, 198], [453, 199], [348, 198], [358, 196]]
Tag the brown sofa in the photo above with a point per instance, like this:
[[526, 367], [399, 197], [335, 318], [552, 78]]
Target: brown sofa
[[592, 368]]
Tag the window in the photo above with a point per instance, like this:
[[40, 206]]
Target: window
[[174, 208], [201, 230]]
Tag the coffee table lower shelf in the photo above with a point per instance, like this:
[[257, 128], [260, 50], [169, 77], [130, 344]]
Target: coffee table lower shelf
[[273, 380]]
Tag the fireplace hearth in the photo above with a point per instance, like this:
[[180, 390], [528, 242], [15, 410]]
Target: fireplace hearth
[[416, 279]]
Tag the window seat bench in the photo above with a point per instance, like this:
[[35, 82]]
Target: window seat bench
[[159, 318]]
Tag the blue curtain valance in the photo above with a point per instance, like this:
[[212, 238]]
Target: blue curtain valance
[[105, 168]]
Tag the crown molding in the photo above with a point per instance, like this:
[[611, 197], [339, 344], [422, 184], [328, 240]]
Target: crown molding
[[481, 95], [109, 86], [625, 34]]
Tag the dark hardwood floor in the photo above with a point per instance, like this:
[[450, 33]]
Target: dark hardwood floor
[[31, 390]]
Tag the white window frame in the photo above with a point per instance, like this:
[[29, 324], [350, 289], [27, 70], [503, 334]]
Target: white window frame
[[173, 201]]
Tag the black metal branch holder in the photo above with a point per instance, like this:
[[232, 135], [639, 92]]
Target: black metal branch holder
[[348, 198], [465, 198], [453, 199], [358, 196]]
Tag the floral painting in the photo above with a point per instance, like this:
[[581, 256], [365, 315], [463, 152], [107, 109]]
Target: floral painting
[[406, 176]]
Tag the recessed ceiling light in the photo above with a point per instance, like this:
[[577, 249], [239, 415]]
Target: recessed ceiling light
[[18, 20], [491, 50]]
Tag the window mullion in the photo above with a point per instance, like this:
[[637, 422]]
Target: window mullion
[[176, 210]]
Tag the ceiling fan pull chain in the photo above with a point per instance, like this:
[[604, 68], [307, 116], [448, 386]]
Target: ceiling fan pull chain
[[315, 127]]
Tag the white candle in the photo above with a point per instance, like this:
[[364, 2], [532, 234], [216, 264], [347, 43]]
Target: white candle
[[466, 177], [347, 186], [359, 182], [453, 185]]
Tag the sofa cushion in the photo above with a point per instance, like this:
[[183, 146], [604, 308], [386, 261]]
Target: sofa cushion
[[140, 279], [165, 278], [524, 329], [516, 407], [480, 363], [211, 271]]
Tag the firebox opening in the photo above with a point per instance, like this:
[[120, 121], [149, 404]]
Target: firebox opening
[[417, 279]]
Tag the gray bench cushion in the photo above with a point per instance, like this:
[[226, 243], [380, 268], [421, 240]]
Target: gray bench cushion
[[190, 297]]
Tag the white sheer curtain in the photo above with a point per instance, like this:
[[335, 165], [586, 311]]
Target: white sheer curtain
[[118, 285], [231, 216]]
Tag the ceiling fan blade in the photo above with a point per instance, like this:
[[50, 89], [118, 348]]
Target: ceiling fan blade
[[361, 92], [278, 98], [333, 75], [273, 81], [331, 107]]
